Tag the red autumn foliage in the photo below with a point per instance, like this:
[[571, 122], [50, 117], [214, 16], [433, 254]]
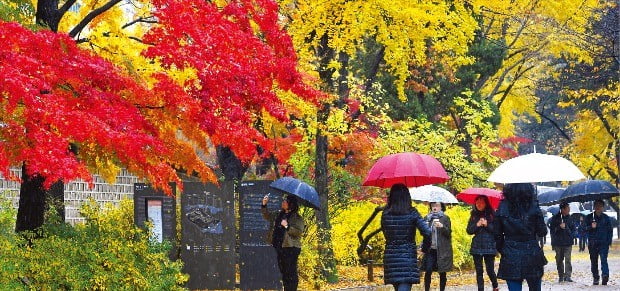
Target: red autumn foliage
[[55, 94], [237, 66], [506, 148]]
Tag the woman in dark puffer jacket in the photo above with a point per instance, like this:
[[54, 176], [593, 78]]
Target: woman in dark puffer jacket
[[519, 224], [482, 225], [398, 223]]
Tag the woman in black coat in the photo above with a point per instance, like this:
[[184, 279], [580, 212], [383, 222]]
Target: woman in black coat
[[482, 225], [519, 223], [398, 223], [438, 254]]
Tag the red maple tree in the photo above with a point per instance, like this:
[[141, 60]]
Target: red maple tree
[[56, 96]]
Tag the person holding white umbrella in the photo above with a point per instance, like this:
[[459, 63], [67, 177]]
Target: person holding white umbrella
[[438, 254], [519, 223]]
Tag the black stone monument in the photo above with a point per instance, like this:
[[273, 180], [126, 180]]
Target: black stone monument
[[208, 236], [258, 264]]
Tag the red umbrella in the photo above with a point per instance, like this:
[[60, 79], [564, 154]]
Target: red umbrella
[[411, 169], [469, 196]]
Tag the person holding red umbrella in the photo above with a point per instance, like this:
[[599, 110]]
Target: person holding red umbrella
[[399, 223], [482, 225]]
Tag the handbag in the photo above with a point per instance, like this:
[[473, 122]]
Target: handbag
[[542, 258]]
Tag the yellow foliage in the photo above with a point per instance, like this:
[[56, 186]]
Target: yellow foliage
[[595, 143], [533, 32], [344, 233], [403, 27]]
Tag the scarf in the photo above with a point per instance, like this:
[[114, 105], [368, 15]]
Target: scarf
[[429, 218]]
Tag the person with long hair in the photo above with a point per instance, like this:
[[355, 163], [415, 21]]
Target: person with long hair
[[482, 225], [285, 237], [399, 222], [438, 254], [519, 222]]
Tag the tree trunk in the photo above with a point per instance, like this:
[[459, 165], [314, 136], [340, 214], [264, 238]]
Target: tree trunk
[[326, 261], [232, 168], [32, 195], [31, 211]]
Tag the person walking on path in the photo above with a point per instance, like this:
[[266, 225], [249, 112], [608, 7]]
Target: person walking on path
[[399, 222], [437, 251], [519, 222], [285, 237], [600, 232], [562, 234], [482, 225], [582, 231]]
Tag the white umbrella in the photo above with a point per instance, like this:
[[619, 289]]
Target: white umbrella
[[430, 193], [536, 167]]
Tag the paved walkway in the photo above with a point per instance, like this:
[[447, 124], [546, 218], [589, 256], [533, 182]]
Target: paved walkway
[[581, 275]]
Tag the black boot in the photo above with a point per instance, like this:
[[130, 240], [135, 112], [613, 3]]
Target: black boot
[[595, 281], [605, 279]]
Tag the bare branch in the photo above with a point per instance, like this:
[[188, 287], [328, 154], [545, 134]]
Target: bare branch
[[78, 28], [148, 19]]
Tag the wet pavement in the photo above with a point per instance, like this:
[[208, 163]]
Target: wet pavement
[[581, 276]]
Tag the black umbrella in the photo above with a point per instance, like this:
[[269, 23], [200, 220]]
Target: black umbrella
[[589, 191], [306, 193], [553, 209], [550, 197]]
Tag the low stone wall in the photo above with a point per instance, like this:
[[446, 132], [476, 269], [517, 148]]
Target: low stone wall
[[78, 192]]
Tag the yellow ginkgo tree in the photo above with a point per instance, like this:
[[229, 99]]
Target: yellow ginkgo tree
[[333, 37], [533, 33]]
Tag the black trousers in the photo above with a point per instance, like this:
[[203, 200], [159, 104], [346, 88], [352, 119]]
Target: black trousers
[[489, 264], [287, 262], [431, 264]]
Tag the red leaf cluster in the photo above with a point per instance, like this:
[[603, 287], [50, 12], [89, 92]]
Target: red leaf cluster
[[506, 148], [238, 65], [54, 94]]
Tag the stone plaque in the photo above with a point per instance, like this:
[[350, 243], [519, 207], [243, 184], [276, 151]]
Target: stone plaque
[[153, 205], [208, 236], [258, 265]]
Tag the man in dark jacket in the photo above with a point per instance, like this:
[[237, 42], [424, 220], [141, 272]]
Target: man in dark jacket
[[598, 225], [562, 234]]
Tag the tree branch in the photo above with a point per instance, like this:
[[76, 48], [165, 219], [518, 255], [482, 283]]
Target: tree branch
[[374, 68], [555, 124], [148, 19], [518, 75], [65, 7], [80, 26], [605, 122]]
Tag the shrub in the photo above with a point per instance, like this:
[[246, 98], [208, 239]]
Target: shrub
[[349, 221], [106, 252], [344, 233]]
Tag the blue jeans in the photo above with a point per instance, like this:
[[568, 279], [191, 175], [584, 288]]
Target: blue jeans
[[597, 250], [402, 287], [533, 284]]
